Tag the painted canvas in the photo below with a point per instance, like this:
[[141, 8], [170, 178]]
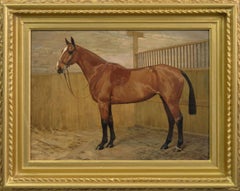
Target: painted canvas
[[66, 122]]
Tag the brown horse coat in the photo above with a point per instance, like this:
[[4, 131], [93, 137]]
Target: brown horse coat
[[118, 85]]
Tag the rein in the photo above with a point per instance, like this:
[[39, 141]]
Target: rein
[[69, 85], [68, 82]]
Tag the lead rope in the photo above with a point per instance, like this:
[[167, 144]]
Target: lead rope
[[69, 85]]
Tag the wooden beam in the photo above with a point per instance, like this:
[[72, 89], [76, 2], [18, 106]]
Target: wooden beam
[[135, 35]]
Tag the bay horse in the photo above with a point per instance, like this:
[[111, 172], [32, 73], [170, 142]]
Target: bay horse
[[111, 83]]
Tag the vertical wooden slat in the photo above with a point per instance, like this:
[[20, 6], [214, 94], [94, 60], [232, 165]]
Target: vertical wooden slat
[[168, 56], [165, 56], [158, 57], [176, 56], [181, 57], [146, 59], [152, 55], [199, 55], [154, 58], [149, 60], [195, 55], [188, 56], [161, 57], [185, 57], [192, 56]]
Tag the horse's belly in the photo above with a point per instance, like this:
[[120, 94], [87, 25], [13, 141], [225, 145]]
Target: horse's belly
[[127, 94]]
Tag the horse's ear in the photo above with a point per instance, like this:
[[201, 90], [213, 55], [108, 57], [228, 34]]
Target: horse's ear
[[72, 41], [67, 42]]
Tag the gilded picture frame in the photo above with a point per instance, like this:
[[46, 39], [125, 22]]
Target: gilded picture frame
[[18, 172]]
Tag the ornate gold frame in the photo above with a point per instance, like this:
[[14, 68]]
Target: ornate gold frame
[[18, 18]]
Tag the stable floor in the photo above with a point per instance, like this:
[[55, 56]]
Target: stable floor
[[132, 143]]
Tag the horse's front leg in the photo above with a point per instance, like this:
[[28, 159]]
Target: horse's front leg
[[111, 128], [104, 112], [104, 135]]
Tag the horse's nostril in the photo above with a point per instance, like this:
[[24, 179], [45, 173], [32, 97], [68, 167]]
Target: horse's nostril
[[60, 70]]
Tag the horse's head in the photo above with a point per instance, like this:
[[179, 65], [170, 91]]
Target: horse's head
[[68, 56]]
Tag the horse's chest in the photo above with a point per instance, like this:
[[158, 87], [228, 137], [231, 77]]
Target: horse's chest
[[100, 88], [103, 87]]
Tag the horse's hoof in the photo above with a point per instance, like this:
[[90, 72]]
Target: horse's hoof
[[100, 147], [110, 145], [164, 147], [178, 149]]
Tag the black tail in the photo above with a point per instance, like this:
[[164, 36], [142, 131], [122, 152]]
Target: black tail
[[192, 109]]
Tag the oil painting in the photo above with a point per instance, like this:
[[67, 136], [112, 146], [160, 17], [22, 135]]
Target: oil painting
[[119, 95]]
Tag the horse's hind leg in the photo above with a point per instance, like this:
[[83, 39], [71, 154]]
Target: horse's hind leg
[[178, 118], [180, 133], [171, 125], [174, 111], [111, 128]]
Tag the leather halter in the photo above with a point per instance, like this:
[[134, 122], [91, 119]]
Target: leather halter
[[68, 81], [67, 78]]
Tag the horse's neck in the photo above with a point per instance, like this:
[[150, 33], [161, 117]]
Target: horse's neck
[[90, 63]]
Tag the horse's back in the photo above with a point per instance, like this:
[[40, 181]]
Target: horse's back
[[158, 75], [119, 75]]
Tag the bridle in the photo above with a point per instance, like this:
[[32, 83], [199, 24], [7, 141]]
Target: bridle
[[67, 77], [68, 81]]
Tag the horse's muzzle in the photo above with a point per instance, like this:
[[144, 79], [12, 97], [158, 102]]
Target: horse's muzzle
[[60, 70]]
